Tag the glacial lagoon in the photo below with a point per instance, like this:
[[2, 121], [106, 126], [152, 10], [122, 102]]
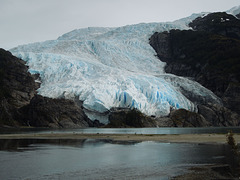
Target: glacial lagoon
[[98, 159], [41, 159]]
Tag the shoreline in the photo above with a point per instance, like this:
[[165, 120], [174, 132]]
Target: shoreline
[[164, 138]]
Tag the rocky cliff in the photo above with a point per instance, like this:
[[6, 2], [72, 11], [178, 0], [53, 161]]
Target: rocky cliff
[[21, 106], [177, 118], [210, 54], [17, 87]]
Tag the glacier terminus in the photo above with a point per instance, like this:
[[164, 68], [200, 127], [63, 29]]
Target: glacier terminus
[[112, 67]]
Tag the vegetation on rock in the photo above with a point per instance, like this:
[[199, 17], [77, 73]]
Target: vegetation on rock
[[236, 153]]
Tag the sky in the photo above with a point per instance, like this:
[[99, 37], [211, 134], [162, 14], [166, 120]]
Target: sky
[[27, 21]]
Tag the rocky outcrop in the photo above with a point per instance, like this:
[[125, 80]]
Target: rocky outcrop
[[16, 82], [54, 113], [209, 54], [185, 118], [20, 106], [207, 115], [120, 117], [238, 16], [218, 115], [231, 97], [218, 23], [17, 87], [125, 117], [211, 60]]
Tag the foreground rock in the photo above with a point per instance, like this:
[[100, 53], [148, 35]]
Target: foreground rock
[[54, 113], [20, 106], [120, 117], [124, 117]]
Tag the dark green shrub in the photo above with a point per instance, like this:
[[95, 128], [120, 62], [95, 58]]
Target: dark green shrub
[[232, 143]]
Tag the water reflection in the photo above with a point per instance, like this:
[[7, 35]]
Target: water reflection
[[33, 144], [97, 159]]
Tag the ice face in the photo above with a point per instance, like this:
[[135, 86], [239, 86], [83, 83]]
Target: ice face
[[111, 67]]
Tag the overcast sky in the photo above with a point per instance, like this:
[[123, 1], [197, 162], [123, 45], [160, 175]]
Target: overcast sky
[[26, 21]]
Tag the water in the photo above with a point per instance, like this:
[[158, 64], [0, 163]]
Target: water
[[165, 130], [102, 159]]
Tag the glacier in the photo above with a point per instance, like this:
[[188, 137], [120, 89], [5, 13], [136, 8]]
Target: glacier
[[112, 67]]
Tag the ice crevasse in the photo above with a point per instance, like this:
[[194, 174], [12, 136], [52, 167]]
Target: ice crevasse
[[111, 67]]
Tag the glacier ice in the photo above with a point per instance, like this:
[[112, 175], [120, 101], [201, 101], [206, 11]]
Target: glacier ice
[[112, 67]]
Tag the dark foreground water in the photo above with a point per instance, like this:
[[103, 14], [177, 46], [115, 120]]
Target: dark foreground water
[[94, 159]]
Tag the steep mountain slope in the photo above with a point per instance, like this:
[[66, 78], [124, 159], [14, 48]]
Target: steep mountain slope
[[210, 53], [17, 87], [112, 67]]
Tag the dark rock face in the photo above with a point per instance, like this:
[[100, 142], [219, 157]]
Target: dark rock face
[[218, 23], [120, 117], [17, 87], [16, 82], [185, 118], [161, 43], [219, 115], [208, 115], [238, 16], [20, 106], [231, 97], [54, 113], [124, 117], [212, 60], [209, 54]]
